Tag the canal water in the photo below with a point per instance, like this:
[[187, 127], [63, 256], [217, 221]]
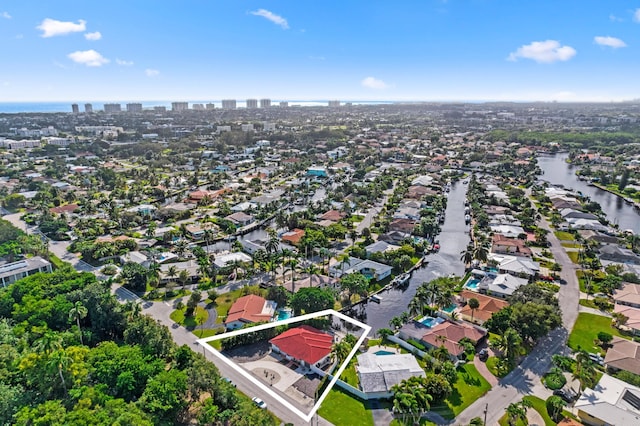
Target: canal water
[[557, 171], [453, 239]]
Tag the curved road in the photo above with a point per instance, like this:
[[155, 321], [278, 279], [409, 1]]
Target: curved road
[[525, 379]]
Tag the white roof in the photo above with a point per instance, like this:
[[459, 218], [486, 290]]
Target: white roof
[[378, 373], [222, 260], [612, 401]]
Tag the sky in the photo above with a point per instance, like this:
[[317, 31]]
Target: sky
[[385, 50]]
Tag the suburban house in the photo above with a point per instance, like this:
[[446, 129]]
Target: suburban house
[[368, 268], [379, 373], [449, 334], [501, 285], [380, 247], [504, 245], [613, 253], [633, 318], [227, 259], [293, 237], [249, 309], [488, 306], [402, 225], [624, 355], [598, 237], [610, 402], [332, 215], [628, 294], [190, 266], [240, 218], [66, 209], [14, 271], [321, 281], [305, 345], [515, 265]]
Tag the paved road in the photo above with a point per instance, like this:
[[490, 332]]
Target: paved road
[[525, 379]]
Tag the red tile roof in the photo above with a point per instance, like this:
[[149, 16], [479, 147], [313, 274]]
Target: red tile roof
[[294, 236], [488, 305], [304, 343], [248, 309], [451, 333], [69, 208]]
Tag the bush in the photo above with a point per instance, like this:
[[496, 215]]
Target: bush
[[554, 380], [555, 405]]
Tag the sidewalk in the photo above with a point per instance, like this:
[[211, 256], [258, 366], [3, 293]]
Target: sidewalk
[[484, 371]]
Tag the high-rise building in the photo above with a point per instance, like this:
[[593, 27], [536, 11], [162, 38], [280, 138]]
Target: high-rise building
[[228, 104], [210, 106], [334, 104], [265, 103], [160, 108], [74, 108], [111, 108], [252, 103], [134, 107], [179, 106], [88, 108], [284, 104]]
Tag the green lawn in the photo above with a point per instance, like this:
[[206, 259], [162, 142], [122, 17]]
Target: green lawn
[[492, 365], [537, 404], [469, 387], [350, 376], [342, 409], [586, 330], [571, 245], [564, 236], [573, 255], [192, 321]]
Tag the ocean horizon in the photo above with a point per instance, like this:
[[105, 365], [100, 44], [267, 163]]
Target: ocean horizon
[[61, 107]]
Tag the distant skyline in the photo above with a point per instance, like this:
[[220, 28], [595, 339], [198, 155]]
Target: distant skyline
[[367, 50]]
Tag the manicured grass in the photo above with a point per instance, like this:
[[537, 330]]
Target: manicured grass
[[537, 404], [208, 332], [588, 303], [573, 255], [565, 236], [492, 364], [342, 409], [586, 330], [192, 321], [571, 245], [469, 387], [350, 376], [174, 295]]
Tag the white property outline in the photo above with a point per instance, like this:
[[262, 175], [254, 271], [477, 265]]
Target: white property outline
[[306, 417]]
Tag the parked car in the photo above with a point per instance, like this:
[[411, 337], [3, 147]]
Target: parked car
[[483, 354], [597, 358], [567, 395], [260, 403]]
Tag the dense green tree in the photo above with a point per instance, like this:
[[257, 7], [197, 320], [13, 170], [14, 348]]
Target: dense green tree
[[134, 276], [312, 299], [165, 394]]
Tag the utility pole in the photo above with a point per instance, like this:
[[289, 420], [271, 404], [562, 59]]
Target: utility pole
[[486, 409]]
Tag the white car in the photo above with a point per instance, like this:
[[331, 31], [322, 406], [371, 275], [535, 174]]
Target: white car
[[260, 403]]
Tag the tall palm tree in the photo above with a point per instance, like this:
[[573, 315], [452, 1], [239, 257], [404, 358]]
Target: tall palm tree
[[78, 312], [325, 254], [273, 244], [466, 255], [60, 361], [585, 371], [481, 251], [172, 271], [509, 344], [517, 411], [49, 342], [344, 260], [473, 305], [293, 267]]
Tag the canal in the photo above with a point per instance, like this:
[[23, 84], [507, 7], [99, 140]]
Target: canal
[[557, 171], [453, 239]]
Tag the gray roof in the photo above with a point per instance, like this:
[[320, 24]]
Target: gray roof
[[378, 373], [25, 265]]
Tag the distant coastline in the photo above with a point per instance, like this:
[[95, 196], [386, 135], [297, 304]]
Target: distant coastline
[[61, 107]]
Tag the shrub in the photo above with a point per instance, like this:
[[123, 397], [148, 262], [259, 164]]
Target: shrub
[[555, 380]]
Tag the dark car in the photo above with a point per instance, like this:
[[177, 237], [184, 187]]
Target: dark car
[[566, 394], [483, 354]]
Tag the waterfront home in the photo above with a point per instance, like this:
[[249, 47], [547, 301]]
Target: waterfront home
[[143, 209], [488, 306], [380, 247], [598, 237], [240, 218], [293, 237], [449, 334], [305, 345], [610, 402], [515, 265], [378, 373], [623, 355], [501, 285], [333, 216], [227, 259], [502, 244], [322, 281], [249, 309], [612, 253], [368, 268]]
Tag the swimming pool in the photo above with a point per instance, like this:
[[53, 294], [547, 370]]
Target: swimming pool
[[431, 321], [450, 308], [284, 314], [381, 352], [472, 284]]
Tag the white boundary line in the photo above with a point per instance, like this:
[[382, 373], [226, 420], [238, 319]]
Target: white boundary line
[[306, 417]]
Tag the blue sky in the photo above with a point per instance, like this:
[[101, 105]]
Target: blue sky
[[419, 50]]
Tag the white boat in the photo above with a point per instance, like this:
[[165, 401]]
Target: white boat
[[376, 298]]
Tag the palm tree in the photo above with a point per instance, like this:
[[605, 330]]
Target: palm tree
[[208, 237], [183, 277], [341, 351], [180, 247], [78, 312], [172, 271], [481, 252], [60, 361], [273, 244], [585, 371], [325, 253], [49, 342], [345, 260], [132, 310], [416, 307], [517, 411], [509, 344], [411, 398], [466, 255], [293, 265], [473, 304]]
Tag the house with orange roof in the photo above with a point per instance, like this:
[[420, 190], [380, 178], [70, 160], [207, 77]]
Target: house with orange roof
[[305, 345], [449, 334], [293, 237], [249, 309], [67, 208], [488, 306], [333, 215]]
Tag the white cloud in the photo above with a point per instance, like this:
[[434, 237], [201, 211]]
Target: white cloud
[[614, 18], [276, 19], [609, 41], [5, 15], [93, 36], [124, 63], [151, 72], [636, 15], [374, 83], [90, 58], [543, 51], [51, 27]]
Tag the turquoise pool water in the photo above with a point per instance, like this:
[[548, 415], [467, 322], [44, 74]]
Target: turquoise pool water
[[384, 353], [431, 321], [472, 284], [284, 314], [450, 308]]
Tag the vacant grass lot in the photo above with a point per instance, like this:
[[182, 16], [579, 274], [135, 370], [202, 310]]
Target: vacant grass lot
[[586, 330]]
